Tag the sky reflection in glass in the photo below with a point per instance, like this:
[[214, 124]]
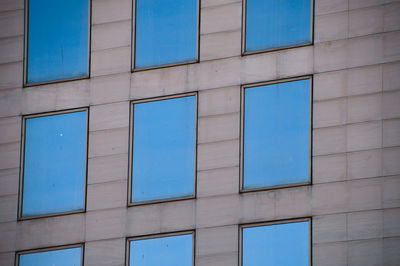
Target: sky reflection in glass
[[276, 134], [59, 257], [166, 32], [54, 163], [276, 245], [163, 149], [272, 24], [166, 251], [57, 40]]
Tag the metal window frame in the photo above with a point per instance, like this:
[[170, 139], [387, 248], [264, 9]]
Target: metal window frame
[[25, 56], [244, 52], [22, 164], [130, 156], [160, 235], [133, 42], [29, 251], [276, 222], [310, 139]]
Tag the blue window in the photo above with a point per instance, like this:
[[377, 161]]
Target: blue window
[[165, 32], [163, 149], [170, 250], [283, 244], [54, 163], [272, 24], [276, 134], [71, 256], [57, 40]]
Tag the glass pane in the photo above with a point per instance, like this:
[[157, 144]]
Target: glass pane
[[278, 244], [272, 24], [57, 39], [59, 257], [166, 251], [54, 163], [163, 149], [166, 32], [276, 134]]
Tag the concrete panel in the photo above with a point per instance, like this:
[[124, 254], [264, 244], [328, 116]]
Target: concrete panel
[[390, 105], [391, 77], [215, 182], [391, 46], [106, 224], [108, 142], [12, 23], [219, 101], [209, 3], [105, 252], [366, 21], [293, 202], [218, 128], [217, 240], [9, 180], [107, 168], [365, 225], [364, 164], [11, 49], [106, 195], [111, 35], [330, 56], [178, 216], [330, 6], [220, 45], [365, 252], [364, 136], [7, 259], [329, 228], [391, 133], [39, 99], [330, 113], [143, 220], [364, 194], [330, 85], [258, 206], [9, 155], [331, 27], [217, 211], [391, 158], [73, 94], [329, 198], [330, 254], [8, 234], [295, 62], [365, 80], [111, 10], [11, 75], [353, 4], [218, 260], [10, 129], [109, 116], [9, 208], [107, 89], [259, 67], [329, 168], [7, 5], [391, 222], [365, 50], [364, 108], [391, 192], [391, 254], [329, 140], [111, 61], [218, 155], [221, 18], [391, 19]]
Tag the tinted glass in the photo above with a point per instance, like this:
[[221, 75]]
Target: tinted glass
[[163, 149], [278, 244], [57, 39], [59, 257], [54, 163], [165, 251], [276, 134], [273, 24], [166, 32]]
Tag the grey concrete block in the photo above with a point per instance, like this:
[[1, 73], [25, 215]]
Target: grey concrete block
[[391, 192], [293, 202], [11, 75], [10, 129], [391, 222], [10, 102], [143, 220], [366, 21], [73, 94], [105, 252], [365, 80], [107, 89], [111, 61], [52, 231], [364, 194], [329, 140], [217, 211], [391, 20], [217, 240], [109, 116], [391, 254], [329, 168], [218, 260], [9, 180], [106, 195], [259, 206], [11, 49], [365, 225], [330, 6], [221, 18], [364, 108], [8, 234], [7, 5], [39, 99], [366, 50], [9, 155], [391, 133], [111, 10], [331, 27], [330, 85], [106, 224], [111, 35], [391, 46], [390, 105], [220, 45], [364, 164], [364, 136], [108, 142], [7, 259], [107, 168], [9, 208], [330, 113], [391, 77], [215, 182], [298, 62], [329, 198], [354, 4], [259, 68], [218, 128], [218, 155], [209, 3], [219, 101], [365, 252], [12, 23], [330, 56], [330, 254], [178, 216], [329, 228], [391, 158]]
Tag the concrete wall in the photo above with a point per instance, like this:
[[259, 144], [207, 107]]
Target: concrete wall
[[355, 197]]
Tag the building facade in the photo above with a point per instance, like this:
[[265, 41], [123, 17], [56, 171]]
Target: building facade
[[349, 196]]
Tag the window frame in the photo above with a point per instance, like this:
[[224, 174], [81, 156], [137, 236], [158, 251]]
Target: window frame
[[310, 138], [133, 43], [160, 235], [25, 55], [28, 251], [131, 123], [22, 164], [276, 222], [244, 52]]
